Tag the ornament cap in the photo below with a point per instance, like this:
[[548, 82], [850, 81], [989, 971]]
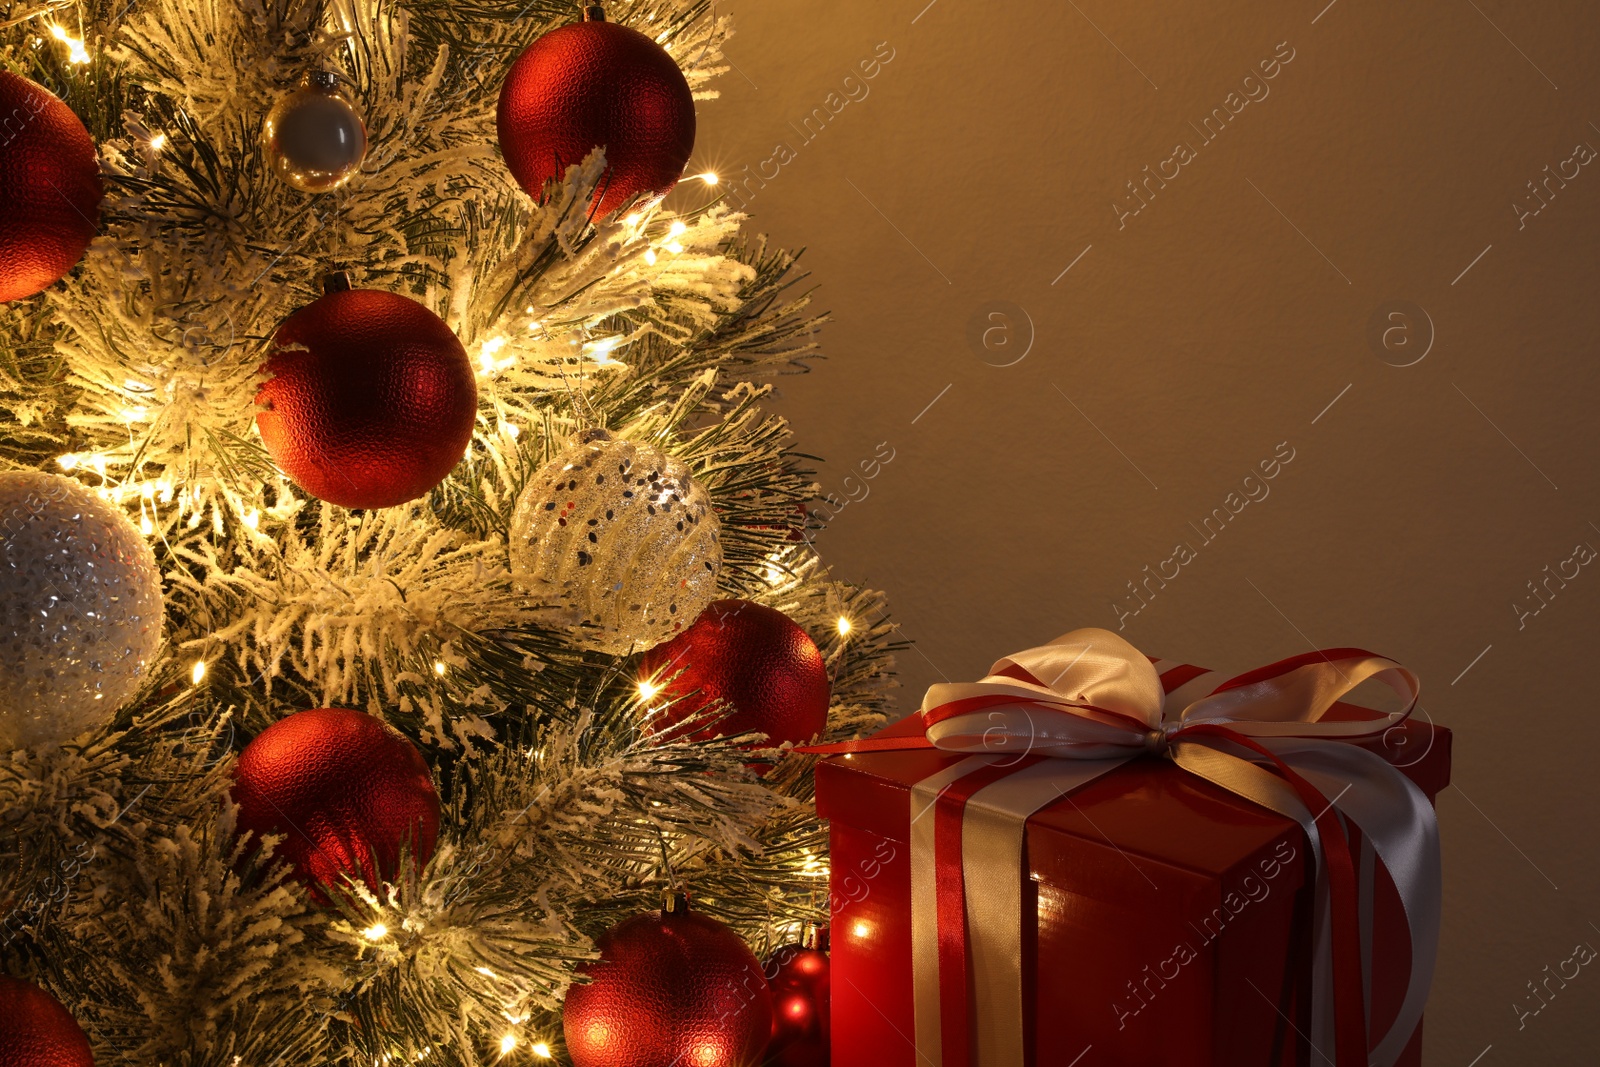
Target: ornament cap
[[336, 281], [594, 13], [675, 902], [321, 79], [815, 937]]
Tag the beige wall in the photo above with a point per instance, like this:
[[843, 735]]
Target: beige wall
[[1191, 339]]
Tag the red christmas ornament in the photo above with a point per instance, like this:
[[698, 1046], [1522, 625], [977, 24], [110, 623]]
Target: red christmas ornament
[[595, 84], [49, 188], [671, 989], [372, 399], [36, 1031], [766, 669], [346, 790], [798, 976]]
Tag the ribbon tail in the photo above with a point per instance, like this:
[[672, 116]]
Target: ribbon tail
[[1396, 817], [1293, 796]]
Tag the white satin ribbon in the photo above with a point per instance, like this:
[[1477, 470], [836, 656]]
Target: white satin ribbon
[[1094, 701]]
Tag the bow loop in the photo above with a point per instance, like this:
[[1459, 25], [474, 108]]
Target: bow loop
[[1091, 695]]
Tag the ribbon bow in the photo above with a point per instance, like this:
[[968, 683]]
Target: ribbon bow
[[1093, 701]]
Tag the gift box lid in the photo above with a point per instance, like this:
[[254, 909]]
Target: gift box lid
[[1183, 834]]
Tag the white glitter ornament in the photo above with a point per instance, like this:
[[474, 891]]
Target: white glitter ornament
[[614, 540], [80, 609]]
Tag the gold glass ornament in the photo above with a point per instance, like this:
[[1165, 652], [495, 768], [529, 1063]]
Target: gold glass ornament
[[314, 138], [614, 540]]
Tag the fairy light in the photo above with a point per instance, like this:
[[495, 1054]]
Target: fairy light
[[600, 351], [678, 228], [648, 690], [675, 248], [507, 1043], [540, 1049], [76, 53], [438, 667], [375, 932], [650, 256], [844, 626], [198, 674], [486, 357], [158, 142], [709, 177]]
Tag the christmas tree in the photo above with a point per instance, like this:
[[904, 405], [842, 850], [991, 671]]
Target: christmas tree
[[315, 321]]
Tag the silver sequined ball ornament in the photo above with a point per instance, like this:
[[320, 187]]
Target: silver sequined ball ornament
[[614, 540], [314, 138], [80, 609]]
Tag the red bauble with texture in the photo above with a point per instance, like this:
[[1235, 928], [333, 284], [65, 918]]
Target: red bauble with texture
[[49, 188], [597, 85], [371, 400], [36, 1031], [671, 989], [799, 980], [767, 670], [345, 790]]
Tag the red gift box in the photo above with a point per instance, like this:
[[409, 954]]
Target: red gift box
[[1166, 920]]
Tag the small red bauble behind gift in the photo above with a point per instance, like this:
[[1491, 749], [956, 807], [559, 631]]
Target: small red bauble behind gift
[[346, 791], [798, 976], [49, 188], [767, 670], [36, 1031], [595, 84], [372, 399], [671, 989]]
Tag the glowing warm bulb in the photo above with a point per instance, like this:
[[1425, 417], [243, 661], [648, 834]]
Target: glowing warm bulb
[[198, 675], [678, 228], [648, 691], [76, 53], [438, 667], [708, 177], [675, 248], [158, 142], [507, 1043], [540, 1049], [844, 626], [375, 932], [650, 256]]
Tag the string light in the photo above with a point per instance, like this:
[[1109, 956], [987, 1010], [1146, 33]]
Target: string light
[[709, 177], [507, 1043], [647, 690], [678, 228], [198, 675], [844, 626], [486, 357], [540, 1049], [158, 142], [375, 932], [76, 53], [650, 256], [438, 667]]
